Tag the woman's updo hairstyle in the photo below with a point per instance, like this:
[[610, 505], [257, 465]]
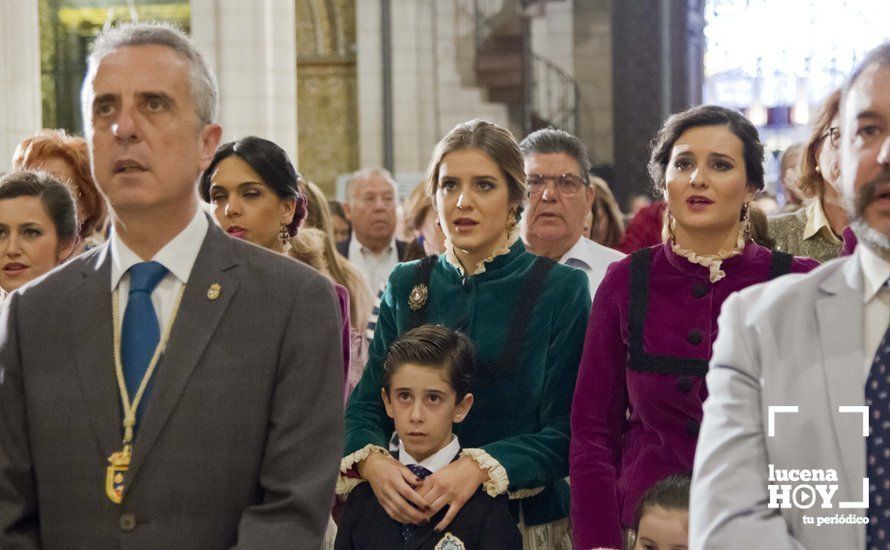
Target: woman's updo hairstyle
[[271, 163], [707, 115], [496, 142]]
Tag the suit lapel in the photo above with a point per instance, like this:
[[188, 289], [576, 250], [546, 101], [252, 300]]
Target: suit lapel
[[94, 353], [192, 330], [841, 336]]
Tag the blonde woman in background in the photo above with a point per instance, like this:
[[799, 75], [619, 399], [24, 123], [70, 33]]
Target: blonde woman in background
[[420, 222], [816, 230]]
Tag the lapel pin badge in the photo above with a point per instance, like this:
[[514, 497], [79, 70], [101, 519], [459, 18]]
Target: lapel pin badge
[[213, 291]]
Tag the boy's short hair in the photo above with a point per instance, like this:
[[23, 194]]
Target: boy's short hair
[[671, 493], [433, 346]]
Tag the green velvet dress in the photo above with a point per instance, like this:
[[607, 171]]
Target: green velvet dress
[[521, 413]]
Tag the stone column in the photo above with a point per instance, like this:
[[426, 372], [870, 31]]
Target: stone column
[[252, 49], [20, 111]]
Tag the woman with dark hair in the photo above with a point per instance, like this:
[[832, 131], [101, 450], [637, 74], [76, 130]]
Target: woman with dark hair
[[817, 230], [526, 317], [638, 398], [254, 191], [38, 227], [255, 194], [66, 158]]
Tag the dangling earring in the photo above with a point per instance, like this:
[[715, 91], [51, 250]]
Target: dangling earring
[[283, 235], [671, 228], [745, 218], [511, 223]]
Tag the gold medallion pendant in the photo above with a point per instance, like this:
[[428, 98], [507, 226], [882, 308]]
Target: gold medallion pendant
[[417, 297], [118, 464]]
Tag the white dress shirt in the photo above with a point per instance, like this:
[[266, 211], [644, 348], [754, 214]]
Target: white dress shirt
[[875, 299], [435, 462], [178, 256], [592, 258], [376, 267]]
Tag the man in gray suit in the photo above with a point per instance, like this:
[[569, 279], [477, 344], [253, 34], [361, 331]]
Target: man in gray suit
[[800, 377], [176, 387]]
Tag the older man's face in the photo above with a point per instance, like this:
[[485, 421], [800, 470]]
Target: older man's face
[[555, 215], [865, 148], [147, 144], [372, 209]]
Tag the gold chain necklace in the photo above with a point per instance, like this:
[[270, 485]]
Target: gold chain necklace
[[119, 462]]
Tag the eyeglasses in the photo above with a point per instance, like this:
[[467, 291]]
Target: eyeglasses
[[833, 134], [566, 184]]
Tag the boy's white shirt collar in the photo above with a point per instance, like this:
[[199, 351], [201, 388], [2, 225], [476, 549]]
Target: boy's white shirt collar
[[438, 460]]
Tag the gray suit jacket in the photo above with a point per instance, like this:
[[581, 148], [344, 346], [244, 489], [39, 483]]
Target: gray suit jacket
[[240, 442], [796, 341]]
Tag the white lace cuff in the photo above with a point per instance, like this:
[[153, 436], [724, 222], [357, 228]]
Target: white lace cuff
[[524, 493], [346, 484], [497, 481]]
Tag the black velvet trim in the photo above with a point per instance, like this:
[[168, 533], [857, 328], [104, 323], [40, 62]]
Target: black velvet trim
[[421, 277], [780, 264], [529, 292], [638, 359]]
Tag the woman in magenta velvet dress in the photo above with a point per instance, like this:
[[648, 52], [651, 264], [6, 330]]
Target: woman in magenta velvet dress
[[638, 400]]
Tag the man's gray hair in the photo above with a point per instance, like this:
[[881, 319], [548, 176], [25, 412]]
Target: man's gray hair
[[366, 173], [204, 91], [552, 140]]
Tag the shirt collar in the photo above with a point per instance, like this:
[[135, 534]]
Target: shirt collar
[[817, 222], [356, 247], [579, 253], [875, 270], [178, 255], [438, 460]]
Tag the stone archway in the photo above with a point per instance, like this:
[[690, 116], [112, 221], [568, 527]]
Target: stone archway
[[327, 105]]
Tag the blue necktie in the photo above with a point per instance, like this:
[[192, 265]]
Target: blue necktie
[[139, 331], [877, 397], [422, 473]]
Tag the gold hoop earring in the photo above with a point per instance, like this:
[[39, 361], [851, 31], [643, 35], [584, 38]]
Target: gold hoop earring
[[283, 234]]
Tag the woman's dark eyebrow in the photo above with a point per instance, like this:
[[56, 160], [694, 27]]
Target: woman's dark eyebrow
[[724, 156]]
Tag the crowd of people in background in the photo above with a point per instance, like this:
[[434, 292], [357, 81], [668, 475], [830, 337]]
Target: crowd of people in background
[[505, 359]]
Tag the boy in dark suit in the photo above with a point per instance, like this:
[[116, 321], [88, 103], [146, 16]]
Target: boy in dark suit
[[426, 378]]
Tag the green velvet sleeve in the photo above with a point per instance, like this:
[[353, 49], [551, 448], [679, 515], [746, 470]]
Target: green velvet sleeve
[[534, 459]]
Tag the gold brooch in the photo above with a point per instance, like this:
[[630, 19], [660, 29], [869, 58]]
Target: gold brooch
[[417, 297], [213, 291]]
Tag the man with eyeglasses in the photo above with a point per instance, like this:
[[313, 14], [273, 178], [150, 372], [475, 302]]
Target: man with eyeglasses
[[560, 197]]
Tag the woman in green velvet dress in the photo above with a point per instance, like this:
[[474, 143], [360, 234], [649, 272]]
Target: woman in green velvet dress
[[526, 316]]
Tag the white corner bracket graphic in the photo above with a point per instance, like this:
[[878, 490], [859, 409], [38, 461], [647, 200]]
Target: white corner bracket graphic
[[860, 409], [864, 503], [772, 410]]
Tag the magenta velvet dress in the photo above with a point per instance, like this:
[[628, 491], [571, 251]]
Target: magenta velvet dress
[[638, 400]]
